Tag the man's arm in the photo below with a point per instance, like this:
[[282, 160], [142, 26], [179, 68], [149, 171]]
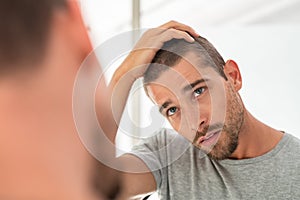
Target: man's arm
[[135, 185], [114, 97]]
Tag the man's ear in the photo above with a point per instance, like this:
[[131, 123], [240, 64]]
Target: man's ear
[[77, 32], [233, 74]]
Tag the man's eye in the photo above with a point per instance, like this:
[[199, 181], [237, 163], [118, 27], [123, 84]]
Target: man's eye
[[171, 111], [199, 91]]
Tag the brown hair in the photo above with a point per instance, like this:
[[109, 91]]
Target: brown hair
[[174, 50], [24, 28]]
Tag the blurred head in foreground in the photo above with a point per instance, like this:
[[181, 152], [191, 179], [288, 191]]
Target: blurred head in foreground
[[43, 44]]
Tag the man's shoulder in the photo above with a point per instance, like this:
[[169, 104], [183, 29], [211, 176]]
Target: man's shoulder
[[294, 142], [161, 149], [292, 146]]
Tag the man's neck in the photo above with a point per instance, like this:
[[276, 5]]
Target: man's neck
[[38, 138], [255, 138]]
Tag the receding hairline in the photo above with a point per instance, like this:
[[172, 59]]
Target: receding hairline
[[175, 50], [199, 62]]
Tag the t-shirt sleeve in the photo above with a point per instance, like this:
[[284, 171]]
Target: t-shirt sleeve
[[144, 152], [159, 151], [150, 151]]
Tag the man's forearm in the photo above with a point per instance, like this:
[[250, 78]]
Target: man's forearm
[[113, 98]]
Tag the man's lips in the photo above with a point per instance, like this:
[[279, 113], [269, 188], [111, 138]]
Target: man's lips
[[208, 136]]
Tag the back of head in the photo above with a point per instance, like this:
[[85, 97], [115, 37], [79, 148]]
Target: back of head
[[176, 49], [24, 26], [42, 156]]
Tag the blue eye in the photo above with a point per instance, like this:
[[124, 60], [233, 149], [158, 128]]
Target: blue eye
[[199, 91], [171, 111]]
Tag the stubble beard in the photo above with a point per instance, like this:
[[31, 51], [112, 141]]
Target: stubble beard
[[228, 139]]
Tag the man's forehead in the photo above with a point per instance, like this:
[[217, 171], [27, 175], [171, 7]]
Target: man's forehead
[[173, 83], [183, 73]]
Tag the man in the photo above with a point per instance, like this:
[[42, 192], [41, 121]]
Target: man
[[43, 44], [230, 154]]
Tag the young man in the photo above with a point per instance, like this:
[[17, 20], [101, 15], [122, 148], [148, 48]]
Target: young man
[[43, 44], [226, 153]]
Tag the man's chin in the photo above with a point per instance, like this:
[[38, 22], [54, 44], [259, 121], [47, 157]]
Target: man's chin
[[216, 156], [219, 153], [212, 153], [219, 150]]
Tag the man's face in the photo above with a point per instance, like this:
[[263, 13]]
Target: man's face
[[200, 105]]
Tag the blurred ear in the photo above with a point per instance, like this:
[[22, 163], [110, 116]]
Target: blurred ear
[[72, 24], [82, 29], [233, 74]]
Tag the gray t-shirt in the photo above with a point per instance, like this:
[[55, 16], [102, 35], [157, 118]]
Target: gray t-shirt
[[182, 171]]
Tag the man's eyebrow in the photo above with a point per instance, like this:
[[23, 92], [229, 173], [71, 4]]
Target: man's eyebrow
[[164, 105], [188, 87]]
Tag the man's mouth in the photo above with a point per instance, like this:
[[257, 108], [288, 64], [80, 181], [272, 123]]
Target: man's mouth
[[209, 139]]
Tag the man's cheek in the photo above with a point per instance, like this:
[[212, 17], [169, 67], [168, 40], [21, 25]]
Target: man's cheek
[[186, 129], [218, 107]]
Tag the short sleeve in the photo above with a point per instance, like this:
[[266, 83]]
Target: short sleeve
[[159, 151]]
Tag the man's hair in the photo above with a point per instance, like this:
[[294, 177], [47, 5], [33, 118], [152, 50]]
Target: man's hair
[[25, 25], [175, 50]]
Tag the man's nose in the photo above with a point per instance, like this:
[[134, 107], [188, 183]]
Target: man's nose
[[203, 122], [197, 117]]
